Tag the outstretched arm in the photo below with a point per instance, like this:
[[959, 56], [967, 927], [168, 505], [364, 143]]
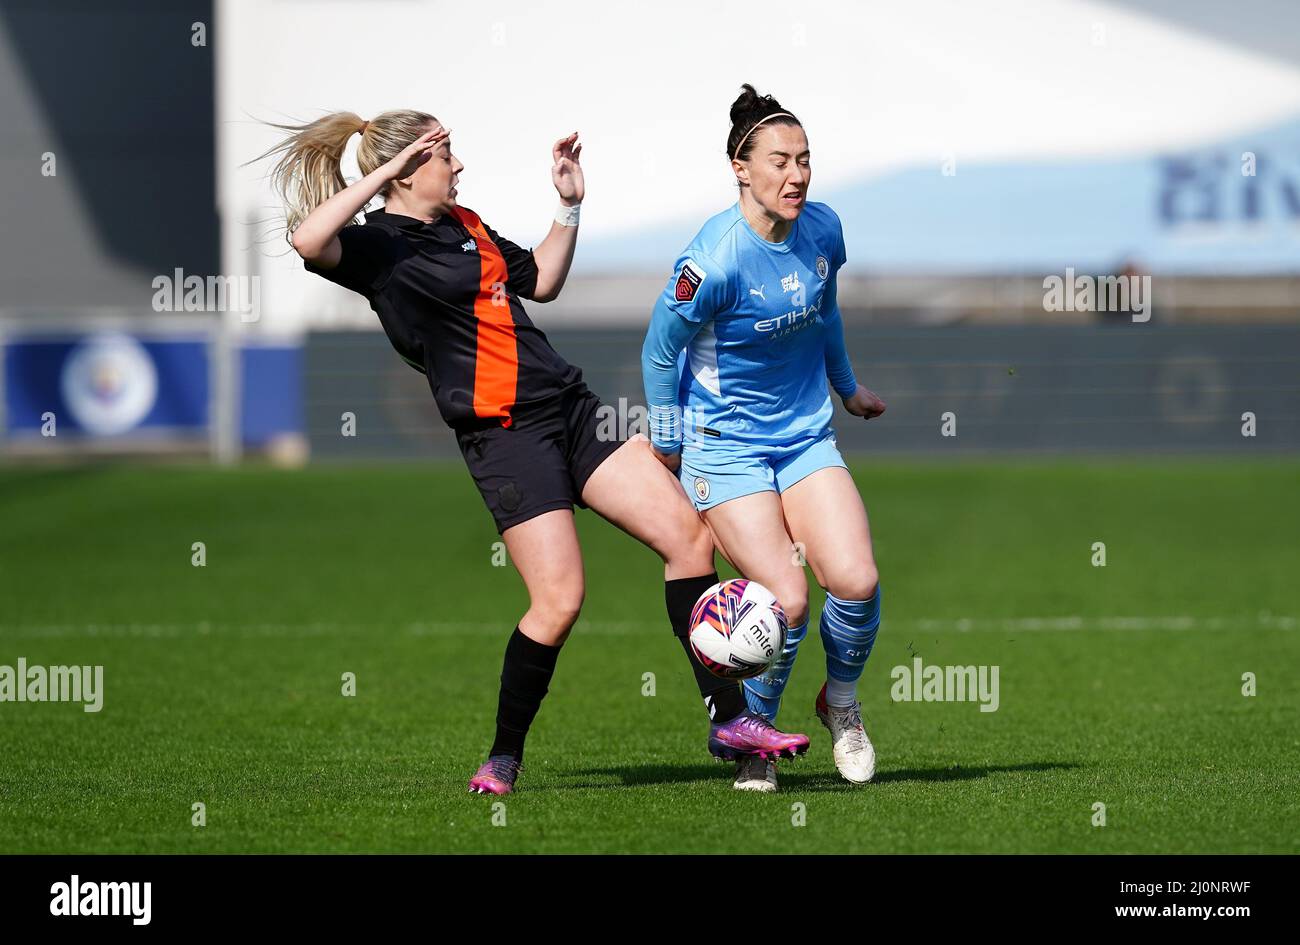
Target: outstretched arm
[[554, 255]]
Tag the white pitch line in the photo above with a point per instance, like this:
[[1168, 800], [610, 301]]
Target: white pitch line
[[1263, 621], [1035, 624]]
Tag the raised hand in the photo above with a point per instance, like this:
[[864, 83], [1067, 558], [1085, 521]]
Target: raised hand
[[566, 171], [415, 154]]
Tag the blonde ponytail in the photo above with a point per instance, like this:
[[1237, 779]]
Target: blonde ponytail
[[309, 169]]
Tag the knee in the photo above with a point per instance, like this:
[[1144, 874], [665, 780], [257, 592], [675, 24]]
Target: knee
[[792, 595], [697, 543], [553, 613], [687, 544], [858, 583]]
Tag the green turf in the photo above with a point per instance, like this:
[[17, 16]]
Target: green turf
[[223, 682]]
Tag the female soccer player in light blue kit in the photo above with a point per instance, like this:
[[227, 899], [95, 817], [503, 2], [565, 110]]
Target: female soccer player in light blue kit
[[736, 363]]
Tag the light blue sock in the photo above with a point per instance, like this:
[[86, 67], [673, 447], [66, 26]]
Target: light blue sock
[[848, 630], [763, 693]]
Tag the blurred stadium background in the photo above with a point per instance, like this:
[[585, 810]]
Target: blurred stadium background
[[971, 150]]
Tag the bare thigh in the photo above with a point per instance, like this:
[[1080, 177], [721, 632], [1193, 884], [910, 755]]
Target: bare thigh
[[636, 492], [826, 516], [751, 533]]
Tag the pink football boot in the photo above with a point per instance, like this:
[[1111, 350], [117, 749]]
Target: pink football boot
[[496, 776], [749, 734]]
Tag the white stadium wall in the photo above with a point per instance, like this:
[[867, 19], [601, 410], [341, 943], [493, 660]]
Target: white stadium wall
[[1005, 93]]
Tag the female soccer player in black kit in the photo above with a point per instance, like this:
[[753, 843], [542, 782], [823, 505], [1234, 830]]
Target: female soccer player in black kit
[[448, 289]]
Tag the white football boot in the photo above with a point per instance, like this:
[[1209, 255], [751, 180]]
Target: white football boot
[[854, 754], [756, 774]]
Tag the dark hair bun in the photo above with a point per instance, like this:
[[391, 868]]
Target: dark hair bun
[[747, 111], [749, 106]]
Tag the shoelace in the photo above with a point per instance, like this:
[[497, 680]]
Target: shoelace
[[851, 721], [504, 769], [756, 723]]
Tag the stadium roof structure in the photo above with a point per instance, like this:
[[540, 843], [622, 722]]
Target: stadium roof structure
[[1058, 117]]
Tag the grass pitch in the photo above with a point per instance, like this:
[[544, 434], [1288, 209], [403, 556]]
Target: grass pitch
[[222, 684]]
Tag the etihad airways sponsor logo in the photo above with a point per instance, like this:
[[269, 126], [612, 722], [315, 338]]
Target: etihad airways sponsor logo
[[796, 318]]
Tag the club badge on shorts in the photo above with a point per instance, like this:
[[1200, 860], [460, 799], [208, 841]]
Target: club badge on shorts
[[823, 267], [701, 488]]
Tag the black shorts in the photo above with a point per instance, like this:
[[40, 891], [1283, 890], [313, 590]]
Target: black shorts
[[542, 460]]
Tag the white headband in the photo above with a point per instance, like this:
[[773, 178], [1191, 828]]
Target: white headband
[[756, 124]]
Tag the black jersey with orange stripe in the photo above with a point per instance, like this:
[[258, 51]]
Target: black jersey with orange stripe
[[448, 296]]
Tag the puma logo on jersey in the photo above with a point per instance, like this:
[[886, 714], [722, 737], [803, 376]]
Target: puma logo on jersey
[[759, 292], [469, 246]]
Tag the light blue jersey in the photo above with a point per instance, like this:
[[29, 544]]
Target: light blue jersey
[[744, 336], [735, 364]]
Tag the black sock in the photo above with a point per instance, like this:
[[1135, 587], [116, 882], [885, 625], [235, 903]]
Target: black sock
[[722, 697], [525, 676]]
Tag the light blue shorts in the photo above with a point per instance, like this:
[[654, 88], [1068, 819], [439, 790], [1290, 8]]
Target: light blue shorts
[[714, 476]]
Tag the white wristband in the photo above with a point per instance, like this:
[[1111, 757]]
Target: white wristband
[[567, 216]]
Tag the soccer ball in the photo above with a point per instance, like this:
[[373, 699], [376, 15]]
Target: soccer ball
[[737, 629]]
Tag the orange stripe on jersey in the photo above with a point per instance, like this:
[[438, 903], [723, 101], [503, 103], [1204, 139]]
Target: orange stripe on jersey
[[496, 360]]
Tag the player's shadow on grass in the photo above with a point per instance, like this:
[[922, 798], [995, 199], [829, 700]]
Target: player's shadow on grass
[[959, 772], [649, 774], [792, 776]]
